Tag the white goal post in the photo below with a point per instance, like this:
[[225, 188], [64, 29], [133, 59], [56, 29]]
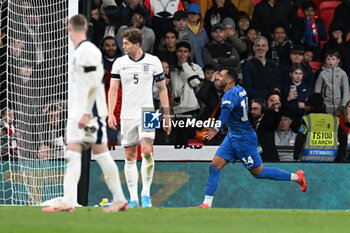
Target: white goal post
[[34, 73]]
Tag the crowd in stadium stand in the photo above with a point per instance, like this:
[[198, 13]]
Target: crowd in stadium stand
[[278, 47]]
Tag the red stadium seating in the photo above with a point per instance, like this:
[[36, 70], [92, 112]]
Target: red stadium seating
[[256, 1], [327, 11], [315, 65]]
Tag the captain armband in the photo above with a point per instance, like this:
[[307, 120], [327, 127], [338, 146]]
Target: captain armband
[[88, 69]]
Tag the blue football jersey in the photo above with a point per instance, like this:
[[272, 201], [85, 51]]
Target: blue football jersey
[[236, 101]]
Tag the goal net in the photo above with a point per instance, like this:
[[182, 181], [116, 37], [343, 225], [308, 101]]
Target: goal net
[[34, 86]]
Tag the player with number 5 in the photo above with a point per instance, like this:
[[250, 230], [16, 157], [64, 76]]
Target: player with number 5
[[241, 142], [136, 72]]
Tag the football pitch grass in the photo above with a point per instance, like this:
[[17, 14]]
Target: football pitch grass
[[19, 219]]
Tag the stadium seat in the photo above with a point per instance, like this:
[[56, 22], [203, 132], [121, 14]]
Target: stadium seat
[[323, 42], [315, 65], [194, 142], [300, 12], [256, 1], [326, 11]]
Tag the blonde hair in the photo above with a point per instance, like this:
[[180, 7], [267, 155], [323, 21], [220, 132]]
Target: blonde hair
[[78, 23]]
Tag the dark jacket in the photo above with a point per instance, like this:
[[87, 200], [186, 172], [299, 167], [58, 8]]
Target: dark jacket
[[265, 16], [266, 135], [259, 79], [342, 16], [223, 12], [308, 77]]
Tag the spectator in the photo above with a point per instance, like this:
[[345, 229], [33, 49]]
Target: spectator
[[319, 134], [98, 25], [128, 6], [308, 56], [260, 74], [280, 45], [113, 19], [265, 121], [185, 79], [268, 12], [185, 4], [110, 52], [243, 23], [297, 57], [138, 21], [52, 138], [231, 36], [8, 133], [219, 53], [168, 51], [341, 16], [344, 122], [196, 31], [337, 41], [209, 96], [162, 13], [333, 83], [180, 22], [284, 136], [310, 30], [220, 10], [295, 94]]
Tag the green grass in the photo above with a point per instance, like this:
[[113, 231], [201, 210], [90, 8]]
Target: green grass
[[89, 219]]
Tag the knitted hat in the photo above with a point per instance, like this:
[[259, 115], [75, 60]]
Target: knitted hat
[[229, 21]]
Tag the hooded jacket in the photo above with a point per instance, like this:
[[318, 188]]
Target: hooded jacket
[[107, 63], [333, 84]]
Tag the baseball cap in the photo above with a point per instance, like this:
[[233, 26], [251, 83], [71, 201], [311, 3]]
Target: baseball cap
[[179, 15], [194, 8], [216, 26]]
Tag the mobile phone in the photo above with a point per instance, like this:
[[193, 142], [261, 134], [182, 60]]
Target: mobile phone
[[293, 88]]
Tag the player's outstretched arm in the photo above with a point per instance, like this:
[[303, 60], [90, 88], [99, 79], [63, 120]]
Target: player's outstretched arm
[[112, 101], [164, 100]]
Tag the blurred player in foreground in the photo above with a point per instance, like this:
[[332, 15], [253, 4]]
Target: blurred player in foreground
[[136, 72], [241, 141], [87, 121]]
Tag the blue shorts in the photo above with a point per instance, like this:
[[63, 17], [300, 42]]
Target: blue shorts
[[244, 148]]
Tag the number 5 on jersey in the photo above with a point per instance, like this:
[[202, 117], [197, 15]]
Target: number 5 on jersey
[[136, 78]]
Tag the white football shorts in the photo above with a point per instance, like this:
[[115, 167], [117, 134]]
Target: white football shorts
[[95, 133], [132, 131]]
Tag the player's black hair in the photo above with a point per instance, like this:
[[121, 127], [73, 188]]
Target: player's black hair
[[183, 44], [232, 73]]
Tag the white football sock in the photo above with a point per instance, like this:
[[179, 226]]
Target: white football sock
[[111, 175], [294, 177], [131, 176], [71, 178], [147, 170], [208, 200]]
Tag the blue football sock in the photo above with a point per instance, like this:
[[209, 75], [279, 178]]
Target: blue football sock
[[213, 181], [273, 173]]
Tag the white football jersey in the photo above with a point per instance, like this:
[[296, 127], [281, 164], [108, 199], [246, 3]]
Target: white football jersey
[[137, 82], [88, 87]]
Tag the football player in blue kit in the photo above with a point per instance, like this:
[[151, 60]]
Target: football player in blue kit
[[241, 141]]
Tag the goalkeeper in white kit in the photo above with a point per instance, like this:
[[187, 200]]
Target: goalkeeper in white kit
[[87, 121]]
